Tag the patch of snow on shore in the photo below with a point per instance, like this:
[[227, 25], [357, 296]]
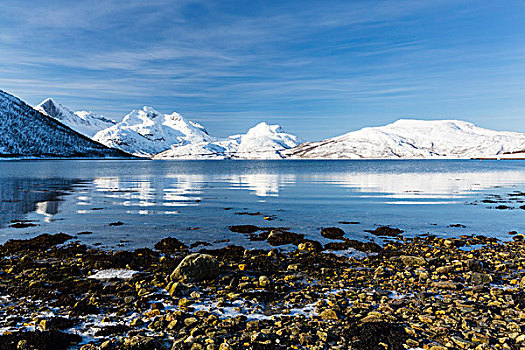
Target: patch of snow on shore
[[113, 273]]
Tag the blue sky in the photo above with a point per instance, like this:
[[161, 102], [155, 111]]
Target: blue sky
[[318, 68]]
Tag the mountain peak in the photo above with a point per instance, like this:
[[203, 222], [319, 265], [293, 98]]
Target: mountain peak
[[150, 111], [83, 122], [264, 128], [48, 101], [53, 109], [145, 132]]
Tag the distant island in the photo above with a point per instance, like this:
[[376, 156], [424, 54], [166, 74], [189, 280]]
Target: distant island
[[52, 130]]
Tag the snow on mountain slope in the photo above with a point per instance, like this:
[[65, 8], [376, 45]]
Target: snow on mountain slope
[[408, 138], [260, 142], [265, 141], [25, 132], [146, 132], [83, 122]]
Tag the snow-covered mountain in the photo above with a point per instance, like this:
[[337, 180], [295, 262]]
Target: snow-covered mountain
[[260, 142], [26, 132], [408, 138], [84, 122], [146, 132]]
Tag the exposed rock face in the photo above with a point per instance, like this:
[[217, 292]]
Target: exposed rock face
[[196, 267]]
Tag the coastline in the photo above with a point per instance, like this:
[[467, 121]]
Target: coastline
[[424, 292]]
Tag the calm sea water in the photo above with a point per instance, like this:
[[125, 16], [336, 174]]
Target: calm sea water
[[198, 200]]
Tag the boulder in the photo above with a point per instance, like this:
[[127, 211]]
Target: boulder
[[196, 267], [278, 237], [410, 260], [386, 231], [310, 246], [477, 278], [332, 233], [355, 244], [169, 245]]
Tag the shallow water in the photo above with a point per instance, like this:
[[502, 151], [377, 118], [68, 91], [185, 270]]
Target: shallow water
[[198, 200]]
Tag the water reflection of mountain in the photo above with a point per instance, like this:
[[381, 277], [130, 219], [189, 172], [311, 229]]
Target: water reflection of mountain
[[19, 197], [417, 185], [263, 185], [172, 190]]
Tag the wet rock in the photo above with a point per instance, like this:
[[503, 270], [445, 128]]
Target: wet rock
[[522, 282], [140, 342], [310, 246], [332, 233], [386, 231], [50, 340], [85, 233], [372, 335], [462, 343], [158, 306], [89, 347], [244, 228], [445, 269], [519, 237], [60, 323], [445, 285], [84, 307], [477, 278], [169, 245], [41, 242], [112, 330], [474, 265], [22, 224], [278, 237], [355, 244], [199, 243], [328, 314], [117, 223], [410, 260], [264, 281], [196, 267]]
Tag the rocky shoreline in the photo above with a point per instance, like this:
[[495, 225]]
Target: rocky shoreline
[[411, 293]]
